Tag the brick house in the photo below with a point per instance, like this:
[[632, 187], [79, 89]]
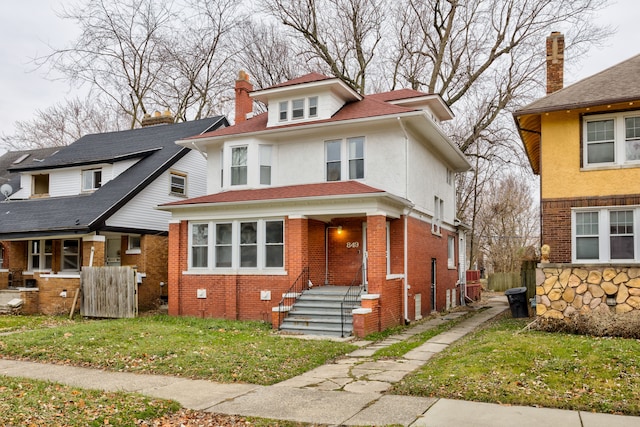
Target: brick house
[[584, 142], [331, 186], [92, 203]]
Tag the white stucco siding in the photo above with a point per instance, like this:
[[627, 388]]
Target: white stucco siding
[[140, 211], [427, 180]]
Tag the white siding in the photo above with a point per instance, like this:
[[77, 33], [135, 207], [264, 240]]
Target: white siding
[[140, 212]]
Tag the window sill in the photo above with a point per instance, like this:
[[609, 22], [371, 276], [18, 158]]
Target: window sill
[[609, 166], [133, 252], [67, 275], [231, 272]]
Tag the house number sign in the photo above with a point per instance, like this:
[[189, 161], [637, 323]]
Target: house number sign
[[353, 245]]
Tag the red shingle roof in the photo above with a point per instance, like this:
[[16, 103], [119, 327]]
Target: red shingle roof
[[324, 189], [369, 106], [307, 78], [396, 95]]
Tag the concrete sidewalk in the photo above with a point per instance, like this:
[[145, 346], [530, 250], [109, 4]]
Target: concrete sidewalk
[[348, 392]]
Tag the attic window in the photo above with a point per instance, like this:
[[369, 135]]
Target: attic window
[[178, 184], [91, 179], [40, 185], [297, 108]]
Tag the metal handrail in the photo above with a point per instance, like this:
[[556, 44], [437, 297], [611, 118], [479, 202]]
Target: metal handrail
[[350, 299], [300, 285]]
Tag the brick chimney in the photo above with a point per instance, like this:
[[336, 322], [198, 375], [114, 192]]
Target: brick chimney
[[244, 103], [555, 62], [157, 119]]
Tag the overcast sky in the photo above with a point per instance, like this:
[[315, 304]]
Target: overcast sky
[[27, 26]]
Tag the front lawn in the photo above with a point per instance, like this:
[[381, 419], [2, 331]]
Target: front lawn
[[10, 323], [212, 349], [504, 364]]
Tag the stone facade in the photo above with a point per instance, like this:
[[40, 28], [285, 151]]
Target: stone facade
[[565, 289]]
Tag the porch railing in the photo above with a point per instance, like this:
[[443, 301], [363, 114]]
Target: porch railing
[[299, 285], [351, 299]]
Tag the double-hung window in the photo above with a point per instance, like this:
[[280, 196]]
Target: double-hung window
[[40, 254], [91, 179], [70, 255], [333, 158], [178, 183], [238, 245], [611, 139], [239, 166], [605, 235], [451, 252], [297, 109], [438, 214], [356, 157], [283, 110], [353, 151], [313, 106], [199, 245], [265, 164]]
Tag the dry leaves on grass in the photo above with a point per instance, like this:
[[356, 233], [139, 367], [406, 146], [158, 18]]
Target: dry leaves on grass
[[190, 418]]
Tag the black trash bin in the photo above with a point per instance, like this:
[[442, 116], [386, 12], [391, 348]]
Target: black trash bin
[[518, 301]]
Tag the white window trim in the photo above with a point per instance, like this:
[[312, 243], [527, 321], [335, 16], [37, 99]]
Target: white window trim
[[618, 138], [345, 159], [287, 108], [438, 213], [184, 185], [604, 248], [246, 165], [451, 252], [41, 255], [235, 268], [93, 179], [133, 250]]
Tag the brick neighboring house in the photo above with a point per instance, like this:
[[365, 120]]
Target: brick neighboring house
[[584, 142], [93, 203], [347, 188], [10, 180]]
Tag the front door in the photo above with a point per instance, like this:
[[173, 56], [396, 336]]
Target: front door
[[113, 251]]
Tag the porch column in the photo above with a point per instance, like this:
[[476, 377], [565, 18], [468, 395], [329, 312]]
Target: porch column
[[177, 235], [98, 244], [297, 245], [376, 253]]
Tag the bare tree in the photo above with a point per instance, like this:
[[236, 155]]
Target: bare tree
[[62, 124], [150, 54], [507, 223], [342, 34]]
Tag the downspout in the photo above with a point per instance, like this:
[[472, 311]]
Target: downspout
[[405, 283]]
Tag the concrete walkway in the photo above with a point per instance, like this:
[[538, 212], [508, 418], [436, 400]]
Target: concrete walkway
[[350, 391]]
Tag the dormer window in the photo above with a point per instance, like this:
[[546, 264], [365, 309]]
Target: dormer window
[[91, 179], [297, 109], [41, 185], [284, 108]]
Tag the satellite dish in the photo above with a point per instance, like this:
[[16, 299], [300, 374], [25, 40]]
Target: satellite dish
[[6, 190]]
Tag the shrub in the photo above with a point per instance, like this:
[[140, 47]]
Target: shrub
[[596, 323]]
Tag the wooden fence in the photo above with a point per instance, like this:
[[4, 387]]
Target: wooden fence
[[526, 277], [109, 292]]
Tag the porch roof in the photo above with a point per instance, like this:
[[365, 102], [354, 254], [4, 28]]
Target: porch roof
[[324, 189]]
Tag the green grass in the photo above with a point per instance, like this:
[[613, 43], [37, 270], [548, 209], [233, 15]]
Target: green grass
[[39, 403], [212, 349], [503, 364], [10, 323]]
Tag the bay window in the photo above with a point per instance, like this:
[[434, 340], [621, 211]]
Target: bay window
[[251, 245]]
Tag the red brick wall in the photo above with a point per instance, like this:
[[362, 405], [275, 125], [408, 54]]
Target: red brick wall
[[316, 252], [556, 221], [423, 246], [345, 257]]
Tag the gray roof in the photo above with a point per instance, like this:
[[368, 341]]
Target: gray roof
[[154, 146], [619, 83], [12, 159]]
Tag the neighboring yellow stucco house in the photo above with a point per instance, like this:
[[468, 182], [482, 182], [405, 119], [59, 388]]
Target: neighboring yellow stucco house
[[584, 142]]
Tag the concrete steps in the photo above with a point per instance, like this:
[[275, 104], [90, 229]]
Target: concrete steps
[[10, 301], [318, 311]]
